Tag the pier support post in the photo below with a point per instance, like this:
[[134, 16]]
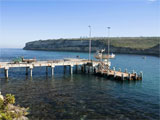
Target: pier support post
[[95, 71], [31, 68], [88, 69], [52, 70], [31, 72], [46, 70], [114, 74], [129, 76], [122, 76], [108, 73], [92, 69], [71, 69], [76, 68], [84, 69], [65, 69], [135, 76], [119, 69], [26, 70], [6, 72], [126, 70]]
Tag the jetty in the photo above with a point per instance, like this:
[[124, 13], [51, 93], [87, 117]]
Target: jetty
[[85, 66]]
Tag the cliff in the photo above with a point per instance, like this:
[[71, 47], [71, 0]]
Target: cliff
[[143, 46]]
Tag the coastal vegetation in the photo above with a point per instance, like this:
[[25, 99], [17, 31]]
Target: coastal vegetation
[[128, 42], [8, 111], [120, 45]]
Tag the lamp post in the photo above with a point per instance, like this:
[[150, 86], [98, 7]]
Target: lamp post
[[108, 44], [89, 57]]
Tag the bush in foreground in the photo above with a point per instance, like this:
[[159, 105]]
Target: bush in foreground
[[8, 111]]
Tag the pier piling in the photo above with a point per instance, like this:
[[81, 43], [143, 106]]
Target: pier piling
[[135, 76], [31, 72], [114, 74], [31, 68], [129, 76], [122, 76], [26, 70], [65, 69], [46, 70], [71, 69], [76, 68], [52, 70], [6, 72]]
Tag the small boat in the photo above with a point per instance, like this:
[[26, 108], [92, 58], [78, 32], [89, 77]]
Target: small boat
[[100, 55], [144, 57]]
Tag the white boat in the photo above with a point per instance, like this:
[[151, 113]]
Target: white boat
[[100, 55]]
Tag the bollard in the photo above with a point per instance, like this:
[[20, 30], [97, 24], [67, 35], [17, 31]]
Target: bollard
[[126, 70], [114, 74], [141, 75], [122, 76], [114, 68], [135, 76]]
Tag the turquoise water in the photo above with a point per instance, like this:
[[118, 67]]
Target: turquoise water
[[83, 96]]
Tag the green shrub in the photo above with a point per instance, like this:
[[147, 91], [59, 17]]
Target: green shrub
[[8, 111]]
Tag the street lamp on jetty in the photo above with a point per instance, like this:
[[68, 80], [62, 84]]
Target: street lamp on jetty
[[89, 57], [108, 43]]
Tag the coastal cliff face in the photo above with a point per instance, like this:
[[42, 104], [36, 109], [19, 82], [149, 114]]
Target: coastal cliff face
[[82, 46]]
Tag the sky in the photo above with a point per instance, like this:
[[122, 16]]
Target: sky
[[23, 21]]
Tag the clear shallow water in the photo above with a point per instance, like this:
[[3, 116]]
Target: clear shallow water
[[84, 96]]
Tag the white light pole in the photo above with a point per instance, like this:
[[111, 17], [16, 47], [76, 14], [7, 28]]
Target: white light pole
[[108, 43], [108, 38], [89, 57]]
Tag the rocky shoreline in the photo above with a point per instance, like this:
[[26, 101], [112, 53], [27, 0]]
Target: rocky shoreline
[[82, 46]]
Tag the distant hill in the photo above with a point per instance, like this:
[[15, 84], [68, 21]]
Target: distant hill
[[123, 45]]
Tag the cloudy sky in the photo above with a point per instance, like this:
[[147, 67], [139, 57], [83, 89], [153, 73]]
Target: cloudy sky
[[27, 20]]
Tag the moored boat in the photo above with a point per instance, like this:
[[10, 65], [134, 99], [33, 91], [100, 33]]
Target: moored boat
[[100, 55]]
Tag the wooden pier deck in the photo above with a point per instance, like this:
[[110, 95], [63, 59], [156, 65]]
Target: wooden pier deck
[[90, 67], [120, 75]]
